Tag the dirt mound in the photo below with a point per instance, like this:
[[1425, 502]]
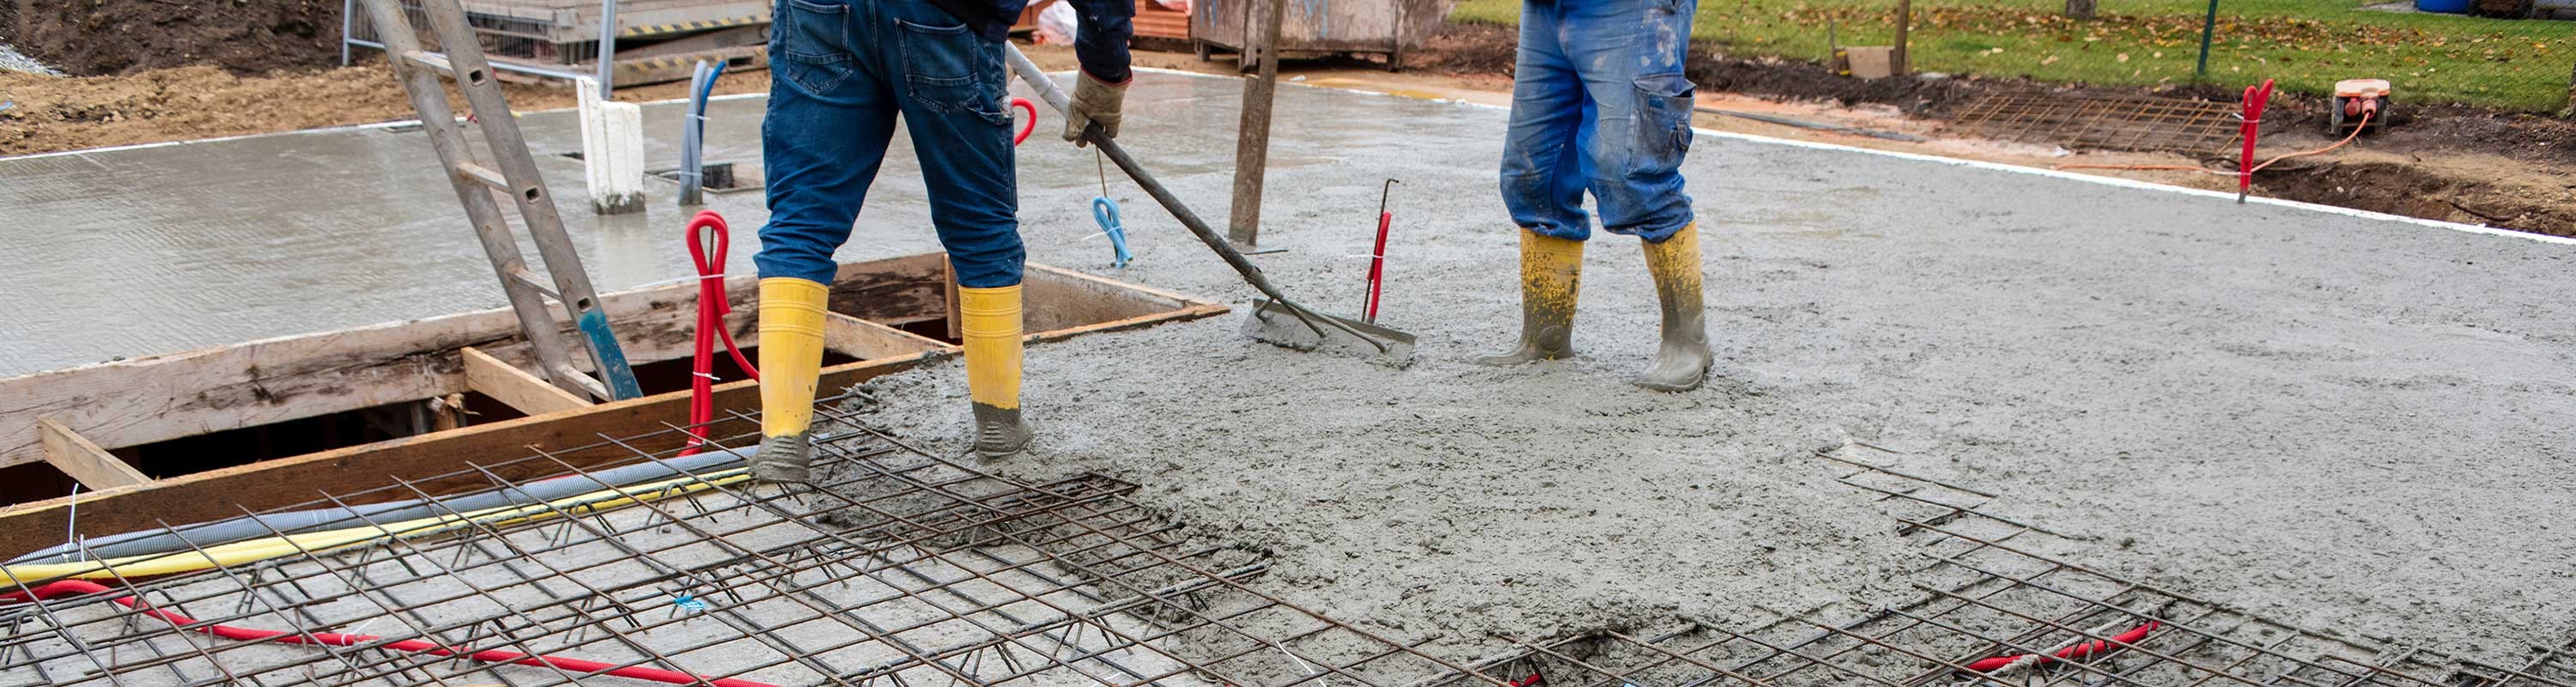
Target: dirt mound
[[189, 102], [98, 37], [1468, 49]]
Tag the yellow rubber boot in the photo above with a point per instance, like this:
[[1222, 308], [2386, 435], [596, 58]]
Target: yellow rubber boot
[[990, 319], [1550, 271], [791, 360], [1683, 361]]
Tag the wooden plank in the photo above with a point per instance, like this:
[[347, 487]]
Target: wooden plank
[[440, 462], [437, 463], [866, 340], [1059, 298], [1191, 313], [154, 398], [85, 461], [515, 387], [892, 290], [157, 398]]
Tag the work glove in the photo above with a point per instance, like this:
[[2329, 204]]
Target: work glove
[[1094, 102]]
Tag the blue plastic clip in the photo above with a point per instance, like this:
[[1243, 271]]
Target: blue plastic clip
[[1105, 211], [687, 602]]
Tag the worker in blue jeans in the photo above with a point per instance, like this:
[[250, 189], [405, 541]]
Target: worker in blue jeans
[[842, 72], [1600, 104]]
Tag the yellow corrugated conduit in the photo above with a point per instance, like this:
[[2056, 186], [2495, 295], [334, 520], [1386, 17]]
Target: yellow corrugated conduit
[[255, 550]]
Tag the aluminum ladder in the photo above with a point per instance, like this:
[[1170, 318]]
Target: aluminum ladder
[[511, 172]]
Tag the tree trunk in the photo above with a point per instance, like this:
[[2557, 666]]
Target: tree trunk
[[2080, 10]]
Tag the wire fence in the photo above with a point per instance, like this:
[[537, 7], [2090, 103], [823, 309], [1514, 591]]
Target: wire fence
[[2504, 54]]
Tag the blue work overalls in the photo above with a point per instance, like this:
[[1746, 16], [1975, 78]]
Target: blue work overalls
[[1600, 103]]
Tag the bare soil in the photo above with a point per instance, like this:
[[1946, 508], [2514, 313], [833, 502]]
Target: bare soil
[[126, 37], [182, 103]]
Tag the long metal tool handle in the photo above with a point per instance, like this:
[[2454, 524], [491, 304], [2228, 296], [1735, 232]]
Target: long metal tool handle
[[1055, 97]]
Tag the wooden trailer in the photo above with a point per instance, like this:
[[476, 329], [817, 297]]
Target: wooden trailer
[[1318, 28]]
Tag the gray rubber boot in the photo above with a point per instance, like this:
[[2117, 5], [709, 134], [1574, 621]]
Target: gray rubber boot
[[1682, 363], [999, 432], [786, 458], [1550, 277]]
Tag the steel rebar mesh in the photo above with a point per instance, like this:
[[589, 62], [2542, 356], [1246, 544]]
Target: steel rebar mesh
[[897, 565], [1989, 591]]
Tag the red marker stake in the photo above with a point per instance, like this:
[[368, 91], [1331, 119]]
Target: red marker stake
[[2255, 98], [1377, 256]]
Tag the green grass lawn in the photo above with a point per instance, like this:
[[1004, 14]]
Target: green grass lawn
[[2306, 45]]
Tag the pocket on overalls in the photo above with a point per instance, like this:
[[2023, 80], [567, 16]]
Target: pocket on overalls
[[1664, 103], [812, 39], [946, 69]]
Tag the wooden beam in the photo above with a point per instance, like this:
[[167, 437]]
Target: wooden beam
[[866, 340], [446, 462], [439, 463], [84, 461], [1058, 298], [514, 387], [157, 398]]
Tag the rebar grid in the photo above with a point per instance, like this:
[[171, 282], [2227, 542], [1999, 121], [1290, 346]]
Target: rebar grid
[[2111, 122], [895, 565], [1989, 591]]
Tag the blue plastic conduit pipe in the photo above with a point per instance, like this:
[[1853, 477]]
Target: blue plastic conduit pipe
[[693, 132]]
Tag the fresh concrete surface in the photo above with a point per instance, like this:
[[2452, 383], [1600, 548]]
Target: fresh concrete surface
[[2349, 422]]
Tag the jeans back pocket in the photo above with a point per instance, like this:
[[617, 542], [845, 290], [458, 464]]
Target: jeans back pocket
[[947, 69], [812, 38]]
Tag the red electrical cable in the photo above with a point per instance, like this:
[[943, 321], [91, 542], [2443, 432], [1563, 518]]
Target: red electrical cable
[[705, 230], [1032, 120], [2133, 636], [572, 665]]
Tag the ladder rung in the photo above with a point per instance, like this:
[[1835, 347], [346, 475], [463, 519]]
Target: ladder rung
[[435, 62], [486, 175], [529, 279]]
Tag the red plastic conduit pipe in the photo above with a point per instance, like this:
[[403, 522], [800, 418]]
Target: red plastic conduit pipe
[[707, 243], [2251, 123], [2133, 636], [572, 665]]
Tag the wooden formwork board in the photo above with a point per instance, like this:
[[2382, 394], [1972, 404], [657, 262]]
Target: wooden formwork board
[[157, 398]]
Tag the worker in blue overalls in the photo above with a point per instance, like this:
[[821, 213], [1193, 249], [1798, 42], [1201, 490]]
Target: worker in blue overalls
[[842, 72], [1600, 104]]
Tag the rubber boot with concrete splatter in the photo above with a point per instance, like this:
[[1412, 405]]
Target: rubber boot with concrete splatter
[[990, 320], [1683, 361], [1550, 271], [791, 364]]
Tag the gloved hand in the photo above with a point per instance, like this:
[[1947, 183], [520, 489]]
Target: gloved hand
[[1094, 102]]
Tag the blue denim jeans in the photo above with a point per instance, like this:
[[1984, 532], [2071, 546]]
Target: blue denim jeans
[[1599, 103], [841, 71]]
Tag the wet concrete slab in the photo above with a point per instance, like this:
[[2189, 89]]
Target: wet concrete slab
[[2333, 418], [157, 249]]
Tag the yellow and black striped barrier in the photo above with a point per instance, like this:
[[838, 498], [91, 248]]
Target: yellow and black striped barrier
[[688, 26]]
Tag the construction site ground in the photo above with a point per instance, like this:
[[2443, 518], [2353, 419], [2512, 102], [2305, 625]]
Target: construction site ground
[[2324, 418], [2451, 163]]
